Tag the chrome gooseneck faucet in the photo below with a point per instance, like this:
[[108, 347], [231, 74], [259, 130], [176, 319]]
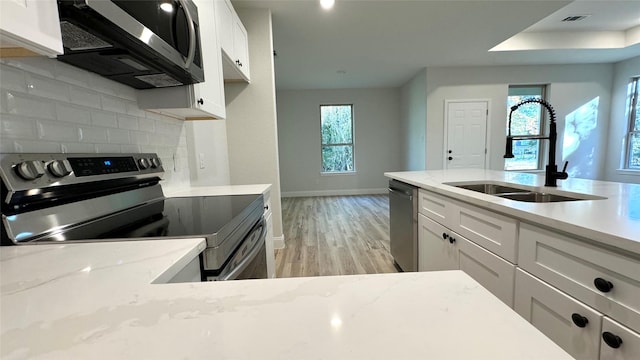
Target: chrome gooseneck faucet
[[551, 171]]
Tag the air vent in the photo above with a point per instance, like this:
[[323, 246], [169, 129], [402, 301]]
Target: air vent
[[575, 18]]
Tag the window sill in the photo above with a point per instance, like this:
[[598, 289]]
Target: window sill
[[338, 173], [628, 172], [532, 171]]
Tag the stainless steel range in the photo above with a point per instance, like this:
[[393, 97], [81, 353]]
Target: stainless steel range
[[116, 197]]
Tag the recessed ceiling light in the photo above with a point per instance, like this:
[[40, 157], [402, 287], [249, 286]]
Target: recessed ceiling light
[[327, 4]]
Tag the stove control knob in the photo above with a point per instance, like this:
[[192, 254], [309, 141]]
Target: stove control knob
[[60, 168], [30, 170], [155, 162], [144, 163]]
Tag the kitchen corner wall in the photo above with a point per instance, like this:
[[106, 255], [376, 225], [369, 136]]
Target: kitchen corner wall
[[50, 106]]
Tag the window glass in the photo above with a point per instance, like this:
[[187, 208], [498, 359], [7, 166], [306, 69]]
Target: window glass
[[527, 120], [633, 153], [337, 138]]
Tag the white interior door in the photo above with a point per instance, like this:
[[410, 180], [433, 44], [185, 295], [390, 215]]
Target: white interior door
[[466, 145]]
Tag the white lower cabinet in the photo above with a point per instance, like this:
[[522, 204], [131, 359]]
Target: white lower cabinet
[[491, 271], [618, 342], [572, 325], [268, 217], [436, 249]]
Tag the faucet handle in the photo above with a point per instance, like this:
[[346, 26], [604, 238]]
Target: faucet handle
[[564, 169]]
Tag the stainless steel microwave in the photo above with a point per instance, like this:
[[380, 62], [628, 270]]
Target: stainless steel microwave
[[143, 44]]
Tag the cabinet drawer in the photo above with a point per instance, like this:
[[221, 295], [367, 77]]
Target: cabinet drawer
[[494, 232], [434, 206], [434, 251], [629, 348], [574, 266], [491, 271], [551, 312]]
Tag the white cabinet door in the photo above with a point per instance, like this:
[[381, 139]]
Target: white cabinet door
[[268, 216], [241, 48], [31, 24], [605, 279], [434, 206], [491, 271], [436, 250], [494, 232], [553, 312], [224, 23], [201, 101], [626, 340], [234, 43]]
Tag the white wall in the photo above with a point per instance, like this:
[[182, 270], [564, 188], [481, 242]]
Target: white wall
[[413, 118], [570, 87], [208, 152], [623, 71], [50, 106], [376, 140], [251, 115]]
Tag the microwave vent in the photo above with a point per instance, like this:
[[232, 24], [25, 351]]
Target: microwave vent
[[75, 38], [159, 80]]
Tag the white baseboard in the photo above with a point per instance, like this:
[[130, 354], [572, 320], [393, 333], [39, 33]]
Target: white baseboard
[[334, 192], [278, 242]]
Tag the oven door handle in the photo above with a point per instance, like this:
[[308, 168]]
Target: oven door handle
[[247, 259]]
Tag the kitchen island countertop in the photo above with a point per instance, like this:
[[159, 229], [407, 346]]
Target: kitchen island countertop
[[107, 301], [613, 221]]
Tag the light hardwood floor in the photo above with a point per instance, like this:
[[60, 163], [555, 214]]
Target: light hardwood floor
[[335, 235]]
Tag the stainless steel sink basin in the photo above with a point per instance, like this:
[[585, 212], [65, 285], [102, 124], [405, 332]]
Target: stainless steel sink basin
[[522, 192], [491, 189], [538, 197]]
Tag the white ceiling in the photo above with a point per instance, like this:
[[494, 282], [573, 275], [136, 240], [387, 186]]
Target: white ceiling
[[384, 43]]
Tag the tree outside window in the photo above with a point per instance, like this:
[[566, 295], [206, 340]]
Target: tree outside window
[[527, 120], [337, 138], [633, 152]]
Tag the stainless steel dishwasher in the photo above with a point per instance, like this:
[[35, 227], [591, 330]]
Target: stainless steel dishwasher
[[403, 215]]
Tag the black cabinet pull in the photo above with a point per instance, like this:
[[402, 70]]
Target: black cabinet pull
[[450, 151], [612, 340], [450, 158], [445, 236], [201, 101], [451, 240], [579, 320], [603, 285]]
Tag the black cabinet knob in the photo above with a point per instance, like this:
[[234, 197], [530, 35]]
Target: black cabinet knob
[[201, 101], [579, 320], [612, 340], [450, 158], [445, 236], [450, 151], [451, 240], [603, 285]]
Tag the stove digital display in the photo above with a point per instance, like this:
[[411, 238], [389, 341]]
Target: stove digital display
[[102, 165]]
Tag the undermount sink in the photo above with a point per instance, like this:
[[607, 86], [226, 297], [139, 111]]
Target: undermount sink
[[523, 193]]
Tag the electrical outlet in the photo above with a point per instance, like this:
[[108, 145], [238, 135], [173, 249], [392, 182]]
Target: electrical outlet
[[201, 160]]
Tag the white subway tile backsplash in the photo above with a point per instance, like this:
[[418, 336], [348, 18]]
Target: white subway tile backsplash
[[85, 97], [47, 87], [117, 136], [107, 148], [57, 131], [70, 74], [127, 122], [67, 109], [26, 105], [103, 118], [17, 128], [93, 134], [12, 78], [78, 148], [71, 113]]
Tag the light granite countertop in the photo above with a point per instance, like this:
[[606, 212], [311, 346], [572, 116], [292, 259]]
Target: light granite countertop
[[107, 301], [218, 190], [613, 221]]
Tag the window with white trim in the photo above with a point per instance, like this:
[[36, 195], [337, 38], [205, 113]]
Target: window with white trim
[[633, 136], [336, 124]]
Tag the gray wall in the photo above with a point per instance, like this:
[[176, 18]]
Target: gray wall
[[50, 106], [376, 138], [570, 87], [623, 71], [413, 120]]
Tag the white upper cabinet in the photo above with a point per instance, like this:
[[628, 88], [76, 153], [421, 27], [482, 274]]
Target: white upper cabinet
[[31, 25], [234, 43], [201, 101]]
